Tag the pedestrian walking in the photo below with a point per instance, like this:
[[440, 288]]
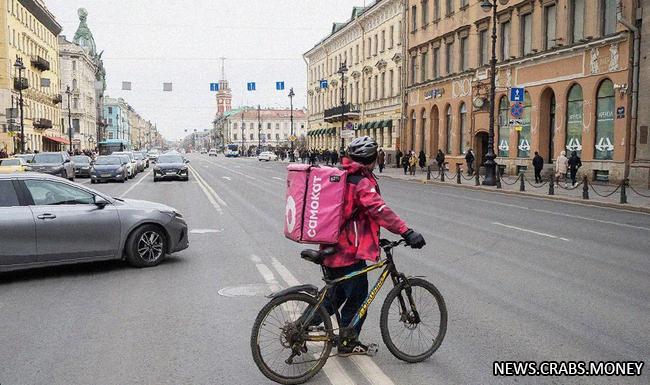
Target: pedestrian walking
[[327, 156], [538, 165], [469, 159], [398, 157], [561, 167], [422, 160], [440, 160], [574, 164], [3, 153], [405, 163], [381, 160], [413, 161]]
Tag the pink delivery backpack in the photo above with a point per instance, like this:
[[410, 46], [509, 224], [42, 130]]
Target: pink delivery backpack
[[314, 207]]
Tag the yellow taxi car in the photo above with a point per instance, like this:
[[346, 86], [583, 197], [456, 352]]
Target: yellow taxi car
[[12, 165]]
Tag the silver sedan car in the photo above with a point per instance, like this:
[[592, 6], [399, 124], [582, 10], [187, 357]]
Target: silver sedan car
[[45, 220]]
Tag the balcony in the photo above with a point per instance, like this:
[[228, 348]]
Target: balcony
[[42, 123], [40, 63], [346, 112], [21, 84]]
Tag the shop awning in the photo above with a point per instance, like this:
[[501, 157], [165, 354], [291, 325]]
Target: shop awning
[[57, 139], [389, 123], [373, 125]]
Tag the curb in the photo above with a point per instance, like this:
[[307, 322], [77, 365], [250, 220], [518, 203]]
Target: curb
[[587, 202]]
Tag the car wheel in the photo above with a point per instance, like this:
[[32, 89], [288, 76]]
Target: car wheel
[[146, 246], [155, 179], [92, 181]]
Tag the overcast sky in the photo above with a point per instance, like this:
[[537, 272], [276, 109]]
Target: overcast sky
[[149, 42]]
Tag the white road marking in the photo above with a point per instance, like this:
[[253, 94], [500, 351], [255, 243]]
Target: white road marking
[[256, 259], [370, 370], [231, 170], [135, 184], [278, 178], [594, 220], [530, 231], [211, 199], [210, 189], [226, 178], [205, 231]]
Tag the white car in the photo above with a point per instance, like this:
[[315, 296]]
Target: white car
[[212, 152], [267, 156]]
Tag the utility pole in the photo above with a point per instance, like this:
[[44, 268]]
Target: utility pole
[[21, 67], [291, 95], [242, 132], [69, 92], [259, 130]]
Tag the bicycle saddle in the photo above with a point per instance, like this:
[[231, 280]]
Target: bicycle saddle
[[317, 256]]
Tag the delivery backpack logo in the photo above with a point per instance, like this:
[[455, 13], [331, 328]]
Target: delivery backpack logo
[[314, 208]]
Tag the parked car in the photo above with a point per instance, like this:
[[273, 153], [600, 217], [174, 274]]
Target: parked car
[[27, 157], [267, 156], [46, 220], [54, 163], [153, 155], [145, 157], [12, 165], [204, 151], [110, 168], [212, 152], [139, 161], [171, 166], [126, 161], [134, 165], [81, 165]]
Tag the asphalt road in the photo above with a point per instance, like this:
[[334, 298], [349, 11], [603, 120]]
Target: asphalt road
[[523, 278]]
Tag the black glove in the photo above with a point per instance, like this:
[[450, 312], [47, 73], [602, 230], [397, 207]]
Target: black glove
[[414, 239]]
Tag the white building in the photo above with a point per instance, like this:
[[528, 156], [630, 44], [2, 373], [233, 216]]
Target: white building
[[271, 130]]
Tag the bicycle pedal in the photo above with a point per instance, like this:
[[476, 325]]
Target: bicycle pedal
[[372, 350]]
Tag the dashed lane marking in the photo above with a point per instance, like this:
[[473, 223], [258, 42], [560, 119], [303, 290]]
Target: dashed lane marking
[[278, 178], [531, 231], [135, 184], [206, 231], [210, 189], [226, 178]]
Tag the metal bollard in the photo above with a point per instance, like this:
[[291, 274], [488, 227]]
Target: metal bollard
[[551, 185], [498, 178], [522, 185], [623, 191], [477, 181], [442, 174], [585, 188], [458, 174], [428, 172]]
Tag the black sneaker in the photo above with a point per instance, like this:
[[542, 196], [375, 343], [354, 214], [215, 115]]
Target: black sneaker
[[352, 348]]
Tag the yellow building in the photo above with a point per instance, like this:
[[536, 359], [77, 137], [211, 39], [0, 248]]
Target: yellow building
[[29, 32]]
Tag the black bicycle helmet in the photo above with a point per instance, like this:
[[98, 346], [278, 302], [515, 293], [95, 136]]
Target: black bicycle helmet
[[363, 150]]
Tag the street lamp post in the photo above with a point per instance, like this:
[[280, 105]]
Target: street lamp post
[[291, 95], [21, 67], [69, 92], [259, 130], [490, 164], [242, 132], [342, 70]]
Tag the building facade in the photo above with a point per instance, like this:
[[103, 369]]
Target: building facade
[[30, 33], [268, 128], [640, 170], [370, 46], [141, 130], [116, 113], [572, 58]]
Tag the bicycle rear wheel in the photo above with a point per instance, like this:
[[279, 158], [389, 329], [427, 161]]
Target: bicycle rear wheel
[[280, 347], [415, 334]]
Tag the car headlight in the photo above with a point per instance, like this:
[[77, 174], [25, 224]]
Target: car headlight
[[173, 213], [120, 169]]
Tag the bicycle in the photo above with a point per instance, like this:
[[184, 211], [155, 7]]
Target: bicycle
[[305, 346]]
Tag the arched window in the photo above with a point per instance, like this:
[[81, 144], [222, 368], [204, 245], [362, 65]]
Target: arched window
[[423, 126], [74, 84], [523, 141], [448, 129], [605, 121], [462, 145], [504, 128], [574, 125], [413, 123]]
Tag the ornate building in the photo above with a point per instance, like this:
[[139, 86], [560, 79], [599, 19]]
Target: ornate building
[[571, 56], [370, 45], [270, 128], [29, 32]]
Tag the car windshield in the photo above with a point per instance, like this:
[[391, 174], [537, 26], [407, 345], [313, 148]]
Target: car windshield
[[81, 159], [138, 156], [48, 158], [130, 156], [170, 158], [108, 160], [125, 158], [10, 162], [28, 157]]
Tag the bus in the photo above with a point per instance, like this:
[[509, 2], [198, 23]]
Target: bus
[[110, 146], [232, 151]]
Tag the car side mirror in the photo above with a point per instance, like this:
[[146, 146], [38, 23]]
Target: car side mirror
[[66, 161], [100, 202], [187, 161]]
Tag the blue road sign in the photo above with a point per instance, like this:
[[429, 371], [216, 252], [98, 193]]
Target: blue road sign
[[279, 86], [517, 94], [251, 86], [214, 86], [323, 84]]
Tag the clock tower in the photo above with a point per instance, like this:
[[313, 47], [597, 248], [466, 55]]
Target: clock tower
[[224, 95]]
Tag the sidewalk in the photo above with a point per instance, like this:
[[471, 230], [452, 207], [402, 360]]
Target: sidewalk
[[510, 185]]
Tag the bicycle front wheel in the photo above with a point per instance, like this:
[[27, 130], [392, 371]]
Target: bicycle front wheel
[[413, 320], [282, 349]]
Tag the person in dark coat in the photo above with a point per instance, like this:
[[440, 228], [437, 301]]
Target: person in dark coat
[[469, 159], [398, 156], [335, 157], [3, 153], [538, 165], [327, 157], [422, 160], [574, 164], [440, 160], [381, 160], [405, 163]]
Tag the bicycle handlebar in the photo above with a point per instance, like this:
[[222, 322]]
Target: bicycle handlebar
[[388, 245]]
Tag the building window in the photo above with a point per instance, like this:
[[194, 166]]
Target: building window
[[382, 87], [448, 129], [436, 10], [74, 65], [390, 37], [369, 48], [268, 126], [483, 43], [390, 83], [423, 66], [277, 137], [376, 90], [110, 110], [504, 128], [234, 136], [356, 54], [413, 67], [277, 126], [463, 128], [383, 40], [608, 16], [505, 40], [523, 140], [75, 125], [234, 126], [464, 54], [110, 135], [605, 121], [251, 136], [577, 24], [413, 124], [449, 53], [74, 84], [425, 12], [436, 62], [414, 18], [526, 34], [450, 7], [549, 26], [574, 120], [376, 44]]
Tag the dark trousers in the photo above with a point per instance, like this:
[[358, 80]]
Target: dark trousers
[[470, 168], [406, 168], [573, 172], [348, 296], [538, 175], [381, 167]]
